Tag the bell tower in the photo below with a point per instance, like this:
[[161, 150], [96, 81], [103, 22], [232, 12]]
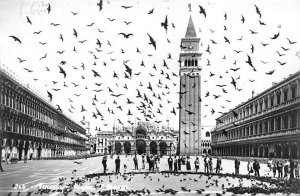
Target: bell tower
[[190, 94]]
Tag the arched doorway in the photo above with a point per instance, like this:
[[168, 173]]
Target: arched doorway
[[278, 151], [261, 151], [21, 144], [294, 149], [109, 149], [127, 147], [204, 151], [141, 132], [153, 147], [209, 151], [39, 151], [266, 149], [163, 147], [255, 151], [118, 148], [140, 146], [286, 151]]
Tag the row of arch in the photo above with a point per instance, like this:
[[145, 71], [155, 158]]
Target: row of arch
[[278, 150], [25, 148], [140, 147], [191, 63]]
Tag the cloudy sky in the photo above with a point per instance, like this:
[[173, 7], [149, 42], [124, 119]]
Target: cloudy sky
[[52, 36]]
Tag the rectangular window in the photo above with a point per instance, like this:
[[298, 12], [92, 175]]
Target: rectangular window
[[294, 91], [271, 101], [285, 96], [278, 98]]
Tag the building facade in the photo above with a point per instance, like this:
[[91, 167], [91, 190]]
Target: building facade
[[31, 127], [267, 125], [190, 94], [104, 140], [143, 138]]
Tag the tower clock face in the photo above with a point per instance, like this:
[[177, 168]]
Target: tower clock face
[[190, 45]]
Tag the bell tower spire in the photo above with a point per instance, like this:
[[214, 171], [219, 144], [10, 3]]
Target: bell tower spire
[[190, 30]]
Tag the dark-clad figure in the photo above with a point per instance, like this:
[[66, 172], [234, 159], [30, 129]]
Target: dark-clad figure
[[256, 168], [197, 164], [218, 166], [279, 169], [292, 167], [237, 165], [206, 164], [118, 162], [179, 163], [148, 161], [135, 161], [175, 164], [188, 164], [170, 163], [104, 163], [151, 163]]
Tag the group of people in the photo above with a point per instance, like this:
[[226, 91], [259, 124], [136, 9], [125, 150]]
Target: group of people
[[289, 168], [208, 165]]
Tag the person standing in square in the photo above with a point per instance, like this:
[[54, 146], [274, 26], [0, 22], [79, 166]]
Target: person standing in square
[[118, 162], [170, 163]]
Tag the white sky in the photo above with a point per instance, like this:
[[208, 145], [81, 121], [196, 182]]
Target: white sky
[[280, 16]]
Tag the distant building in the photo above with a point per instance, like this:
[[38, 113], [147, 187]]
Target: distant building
[[143, 138], [267, 125], [206, 139], [31, 127], [104, 142]]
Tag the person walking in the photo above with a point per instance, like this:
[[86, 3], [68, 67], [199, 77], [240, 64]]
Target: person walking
[[256, 168], [279, 169], [206, 164], [286, 169], [210, 165], [197, 164], [170, 163], [104, 163], [179, 163], [175, 164], [188, 164], [148, 160], [249, 168], [237, 165], [297, 169], [292, 167], [270, 164], [135, 161], [118, 162], [274, 168], [218, 165]]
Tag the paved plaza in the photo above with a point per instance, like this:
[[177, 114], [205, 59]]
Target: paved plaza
[[32, 175]]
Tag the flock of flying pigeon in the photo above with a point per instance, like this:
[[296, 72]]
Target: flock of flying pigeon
[[98, 100]]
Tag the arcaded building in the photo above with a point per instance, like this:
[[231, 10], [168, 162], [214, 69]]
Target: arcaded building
[[145, 137], [267, 125], [31, 127]]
